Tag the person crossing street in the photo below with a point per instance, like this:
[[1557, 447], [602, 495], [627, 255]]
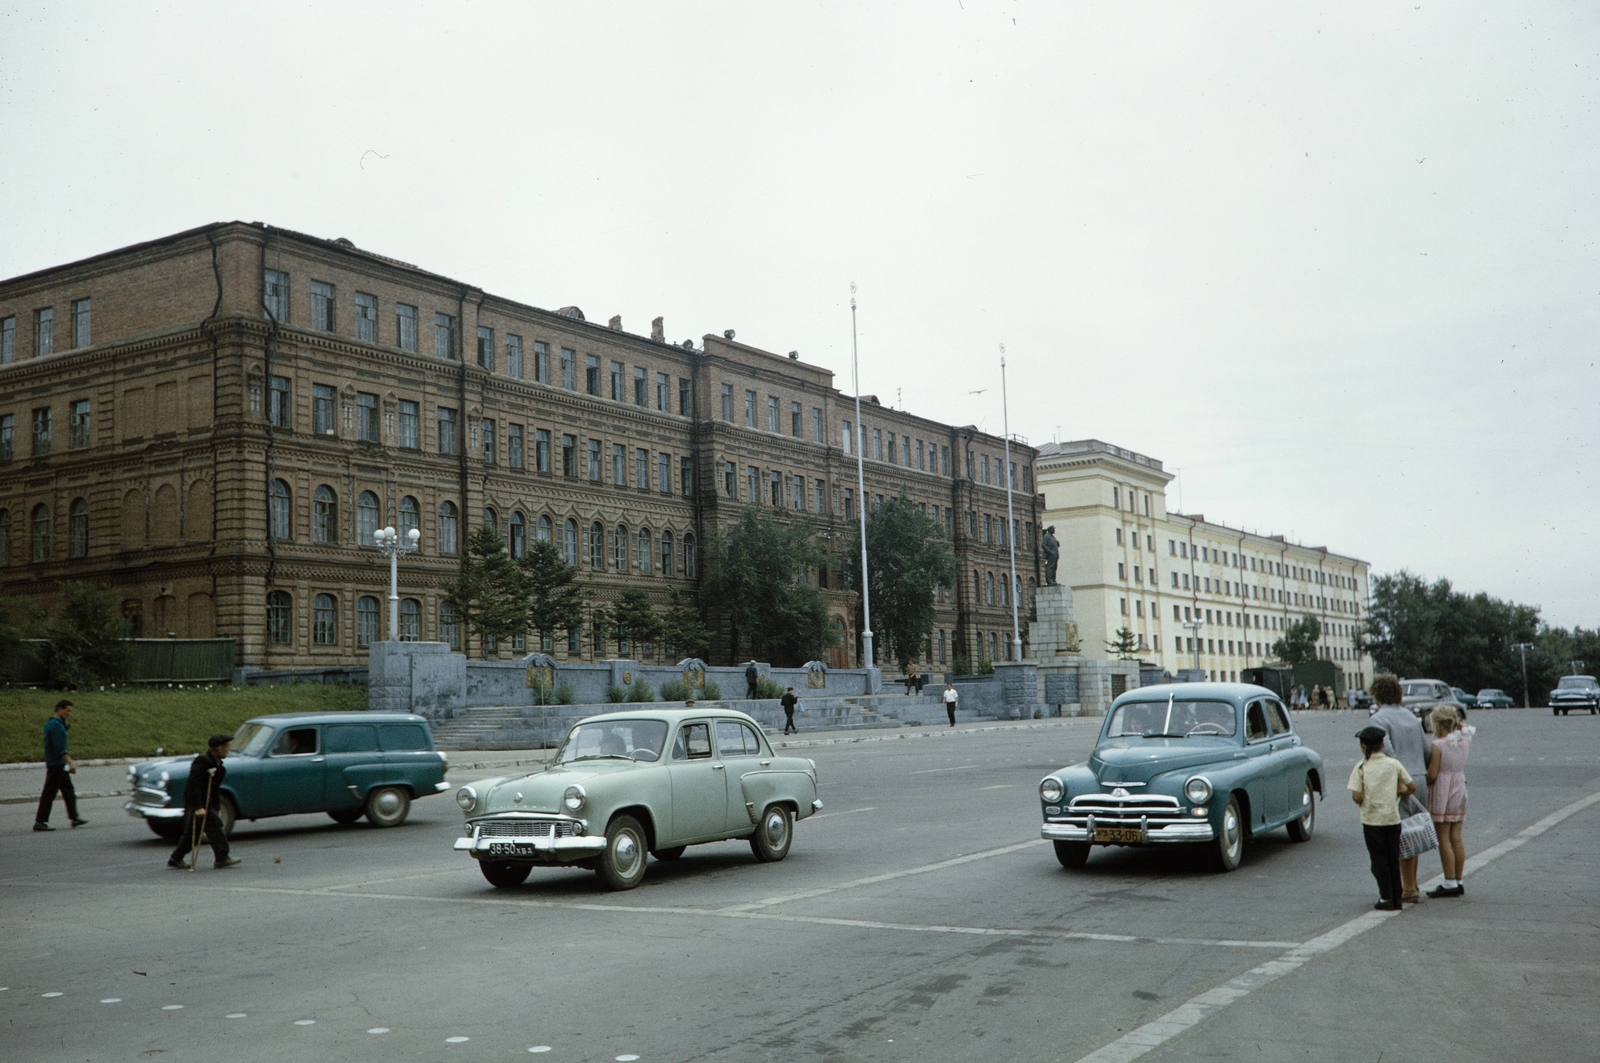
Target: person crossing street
[[202, 804], [58, 770]]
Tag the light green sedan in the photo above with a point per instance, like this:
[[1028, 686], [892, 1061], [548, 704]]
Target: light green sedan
[[631, 783]]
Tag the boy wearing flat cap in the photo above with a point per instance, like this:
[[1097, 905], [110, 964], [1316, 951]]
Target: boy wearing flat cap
[[202, 800], [1377, 784]]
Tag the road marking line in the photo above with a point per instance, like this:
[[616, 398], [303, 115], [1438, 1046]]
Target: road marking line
[[851, 812], [872, 880], [930, 771], [1002, 786], [1197, 1009]]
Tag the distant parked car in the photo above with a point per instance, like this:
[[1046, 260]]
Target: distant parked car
[[347, 764], [1490, 698], [1420, 695], [1575, 692], [1464, 698]]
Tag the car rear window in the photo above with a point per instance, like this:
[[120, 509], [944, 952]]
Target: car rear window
[[350, 738], [397, 737], [735, 739]]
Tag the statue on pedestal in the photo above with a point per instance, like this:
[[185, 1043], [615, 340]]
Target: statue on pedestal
[[1052, 555]]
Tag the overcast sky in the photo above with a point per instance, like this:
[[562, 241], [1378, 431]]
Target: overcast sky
[[1338, 266]]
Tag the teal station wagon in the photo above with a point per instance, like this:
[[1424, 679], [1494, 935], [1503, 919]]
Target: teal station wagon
[[347, 764], [1201, 763], [630, 783]]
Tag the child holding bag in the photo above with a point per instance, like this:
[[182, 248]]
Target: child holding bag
[[1376, 784]]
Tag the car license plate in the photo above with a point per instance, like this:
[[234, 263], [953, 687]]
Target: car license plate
[[514, 849], [1116, 834]]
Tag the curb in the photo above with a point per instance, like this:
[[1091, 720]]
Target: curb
[[98, 762]]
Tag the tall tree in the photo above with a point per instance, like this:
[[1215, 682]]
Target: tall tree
[[907, 557], [490, 592], [1299, 642], [632, 617], [752, 572], [685, 633], [85, 639], [17, 617], [1422, 629], [1126, 644], [553, 599]]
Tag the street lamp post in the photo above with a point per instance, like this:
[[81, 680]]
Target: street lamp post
[[861, 489], [1011, 521], [392, 544], [1194, 626], [1524, 647]]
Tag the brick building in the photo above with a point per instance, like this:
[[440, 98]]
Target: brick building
[[215, 422]]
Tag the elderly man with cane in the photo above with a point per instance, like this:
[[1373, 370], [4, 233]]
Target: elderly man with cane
[[202, 800]]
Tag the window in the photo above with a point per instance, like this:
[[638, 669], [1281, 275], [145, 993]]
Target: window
[[324, 515], [513, 355], [8, 339], [984, 465], [323, 629], [597, 547], [988, 588], [543, 529], [640, 395], [449, 625], [366, 518], [444, 336], [447, 430], [410, 517], [409, 430], [278, 510], [663, 391], [664, 473], [688, 557], [41, 533], [80, 424], [775, 488], [619, 549], [541, 361], [80, 323], [322, 306], [486, 348], [591, 375], [406, 326], [643, 552], [683, 397], [366, 621], [821, 496], [448, 528], [727, 403], [666, 553], [8, 436], [849, 504], [275, 294], [816, 424], [569, 542], [750, 409], [844, 436], [686, 476], [794, 419], [514, 445], [729, 477], [877, 444], [5, 537], [41, 430], [78, 528], [594, 460], [410, 620], [569, 369], [893, 459], [616, 381], [366, 317], [798, 495], [641, 469], [323, 399], [279, 616], [541, 449]]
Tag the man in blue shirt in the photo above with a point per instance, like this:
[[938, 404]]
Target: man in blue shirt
[[58, 769]]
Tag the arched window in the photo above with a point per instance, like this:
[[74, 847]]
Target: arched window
[[994, 646], [569, 542], [619, 547], [448, 524], [278, 510], [78, 527], [5, 537], [280, 616], [410, 516], [1005, 593], [324, 626], [597, 546], [544, 529], [519, 535], [988, 588], [689, 558], [449, 625], [41, 533], [366, 620], [666, 553], [410, 620], [366, 517], [324, 515], [491, 519], [644, 550]]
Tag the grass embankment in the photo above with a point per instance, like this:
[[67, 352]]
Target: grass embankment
[[136, 721]]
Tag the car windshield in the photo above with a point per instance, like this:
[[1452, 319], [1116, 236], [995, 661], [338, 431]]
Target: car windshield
[[1173, 719], [622, 739], [1575, 682], [250, 739]]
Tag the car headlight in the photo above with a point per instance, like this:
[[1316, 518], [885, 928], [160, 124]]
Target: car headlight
[[574, 798], [166, 777], [466, 797], [1051, 790], [1197, 790]]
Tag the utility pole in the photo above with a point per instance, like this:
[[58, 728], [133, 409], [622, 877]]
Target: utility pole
[[1575, 665], [1524, 647], [1194, 626], [861, 490]]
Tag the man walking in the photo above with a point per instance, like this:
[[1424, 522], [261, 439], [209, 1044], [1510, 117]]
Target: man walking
[[202, 800], [951, 698], [751, 676], [789, 701], [58, 770]]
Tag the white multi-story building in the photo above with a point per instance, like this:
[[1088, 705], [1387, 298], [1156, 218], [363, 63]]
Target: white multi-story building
[[1194, 593]]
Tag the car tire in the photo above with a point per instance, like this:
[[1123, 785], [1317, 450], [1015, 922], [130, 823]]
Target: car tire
[[669, 854], [502, 874], [1555, 712], [388, 806], [1228, 851], [623, 862], [165, 828], [347, 816], [1073, 855], [1300, 828], [774, 834], [229, 815]]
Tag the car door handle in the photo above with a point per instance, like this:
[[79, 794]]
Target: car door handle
[[765, 763], [718, 767], [318, 760]]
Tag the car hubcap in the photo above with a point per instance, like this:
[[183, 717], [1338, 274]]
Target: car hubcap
[[777, 827], [388, 803], [625, 851], [1230, 830]]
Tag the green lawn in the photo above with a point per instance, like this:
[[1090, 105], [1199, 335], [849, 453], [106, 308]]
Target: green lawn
[[136, 721]]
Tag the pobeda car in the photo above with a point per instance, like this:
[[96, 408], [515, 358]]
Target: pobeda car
[[347, 764], [631, 783], [1185, 763]]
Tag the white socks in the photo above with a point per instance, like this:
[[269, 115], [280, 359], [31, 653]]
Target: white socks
[[1451, 883]]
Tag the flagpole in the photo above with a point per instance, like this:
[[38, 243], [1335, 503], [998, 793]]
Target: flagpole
[[1011, 522], [861, 490]]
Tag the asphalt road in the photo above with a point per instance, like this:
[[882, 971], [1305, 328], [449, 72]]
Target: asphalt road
[[918, 918]]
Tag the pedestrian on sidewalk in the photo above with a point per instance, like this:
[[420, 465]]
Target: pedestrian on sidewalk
[[951, 699], [1407, 742], [1377, 784], [202, 804], [752, 676], [789, 701], [59, 768], [913, 678], [1447, 795]]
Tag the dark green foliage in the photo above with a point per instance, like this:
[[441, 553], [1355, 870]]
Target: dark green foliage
[[985, 667], [960, 665], [907, 556], [1299, 642], [616, 694], [640, 691], [17, 617], [489, 595], [713, 690], [83, 639], [676, 690], [768, 690], [1125, 645], [685, 634], [632, 618], [751, 572], [553, 599]]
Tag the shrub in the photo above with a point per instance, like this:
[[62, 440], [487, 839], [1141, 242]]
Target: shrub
[[766, 689], [615, 694], [986, 667], [961, 666], [566, 694], [676, 690], [640, 691], [713, 690]]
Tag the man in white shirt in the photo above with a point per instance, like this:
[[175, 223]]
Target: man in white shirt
[[950, 700]]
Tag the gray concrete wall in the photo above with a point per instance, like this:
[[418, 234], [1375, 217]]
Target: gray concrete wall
[[420, 677], [505, 682]]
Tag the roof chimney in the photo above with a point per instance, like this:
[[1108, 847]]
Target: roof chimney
[[616, 322], [658, 330]]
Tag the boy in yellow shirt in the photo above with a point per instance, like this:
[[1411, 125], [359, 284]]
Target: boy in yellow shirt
[[1377, 784]]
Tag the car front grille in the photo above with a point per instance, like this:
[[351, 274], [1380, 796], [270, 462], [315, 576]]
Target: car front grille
[[146, 796], [523, 827], [1111, 811]]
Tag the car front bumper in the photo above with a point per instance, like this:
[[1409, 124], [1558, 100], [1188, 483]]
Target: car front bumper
[[524, 848], [152, 811], [1198, 831]]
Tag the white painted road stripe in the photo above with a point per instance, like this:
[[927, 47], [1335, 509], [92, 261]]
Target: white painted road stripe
[[1195, 1010], [930, 771], [849, 812]]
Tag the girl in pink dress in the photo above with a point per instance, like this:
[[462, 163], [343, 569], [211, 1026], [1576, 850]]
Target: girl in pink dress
[[1447, 794]]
